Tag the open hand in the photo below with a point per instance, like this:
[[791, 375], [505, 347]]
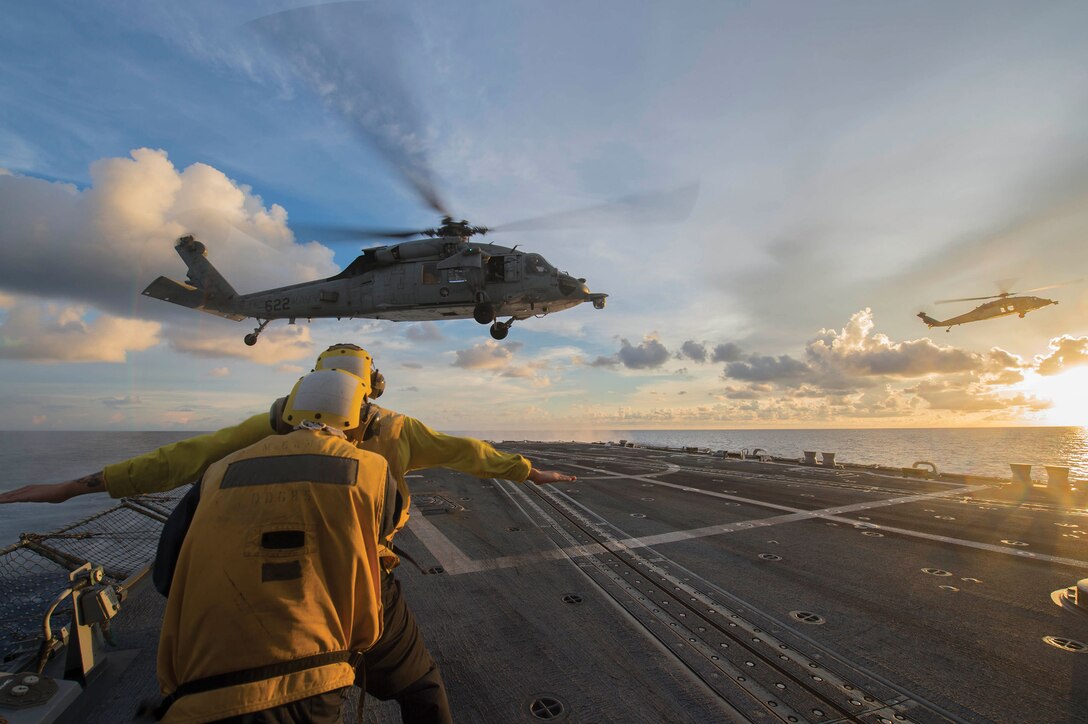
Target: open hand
[[543, 477], [40, 493], [56, 492]]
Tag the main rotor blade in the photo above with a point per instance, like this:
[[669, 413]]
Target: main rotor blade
[[656, 207], [344, 52], [1050, 286], [341, 234], [969, 299]]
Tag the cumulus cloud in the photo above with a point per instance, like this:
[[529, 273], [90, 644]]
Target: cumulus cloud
[[424, 332], [123, 227], [411, 365], [1065, 352], [857, 372], [948, 395], [219, 372], [69, 333], [1000, 367], [692, 350], [275, 346], [740, 393], [764, 368], [603, 361], [856, 357], [727, 352], [487, 355], [648, 354], [100, 246], [855, 350], [522, 371], [499, 360]]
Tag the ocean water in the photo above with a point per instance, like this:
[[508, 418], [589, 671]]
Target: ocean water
[[48, 457], [44, 457], [982, 451]]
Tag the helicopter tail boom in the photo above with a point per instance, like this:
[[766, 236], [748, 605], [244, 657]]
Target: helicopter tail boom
[[206, 290], [930, 321]]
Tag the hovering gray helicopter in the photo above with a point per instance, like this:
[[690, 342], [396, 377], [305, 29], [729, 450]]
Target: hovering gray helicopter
[[1003, 304], [444, 275], [441, 277]]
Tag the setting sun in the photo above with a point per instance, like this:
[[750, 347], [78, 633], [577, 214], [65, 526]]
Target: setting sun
[[1068, 391]]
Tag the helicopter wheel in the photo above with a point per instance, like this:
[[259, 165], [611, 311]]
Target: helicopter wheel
[[484, 313], [251, 338], [500, 330]]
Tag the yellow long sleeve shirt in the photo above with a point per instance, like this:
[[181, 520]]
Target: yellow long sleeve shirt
[[417, 445], [406, 444]]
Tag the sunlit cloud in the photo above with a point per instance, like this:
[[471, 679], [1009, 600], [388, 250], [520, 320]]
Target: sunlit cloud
[[46, 332], [424, 332], [487, 355], [1065, 352], [277, 345]]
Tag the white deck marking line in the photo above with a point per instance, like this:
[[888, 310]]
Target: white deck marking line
[[833, 514], [451, 557], [793, 515], [454, 561]]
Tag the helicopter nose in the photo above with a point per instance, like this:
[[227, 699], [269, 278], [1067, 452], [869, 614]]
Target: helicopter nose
[[572, 287]]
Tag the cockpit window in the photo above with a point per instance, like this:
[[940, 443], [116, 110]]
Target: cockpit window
[[536, 265]]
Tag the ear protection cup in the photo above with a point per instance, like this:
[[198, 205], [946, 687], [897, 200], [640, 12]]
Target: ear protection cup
[[377, 384], [275, 417], [370, 422]]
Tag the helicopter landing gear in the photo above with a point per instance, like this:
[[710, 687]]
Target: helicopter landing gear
[[251, 338], [484, 313], [499, 330]]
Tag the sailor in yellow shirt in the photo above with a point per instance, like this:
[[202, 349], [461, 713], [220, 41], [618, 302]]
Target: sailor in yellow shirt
[[399, 665], [275, 592]]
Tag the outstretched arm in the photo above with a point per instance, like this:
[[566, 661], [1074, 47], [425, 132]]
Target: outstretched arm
[[422, 447], [56, 492], [163, 469], [182, 462]]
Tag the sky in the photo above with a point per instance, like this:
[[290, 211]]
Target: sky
[[854, 162]]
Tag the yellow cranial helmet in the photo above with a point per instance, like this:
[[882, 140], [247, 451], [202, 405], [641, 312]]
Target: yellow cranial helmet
[[356, 360], [330, 397]]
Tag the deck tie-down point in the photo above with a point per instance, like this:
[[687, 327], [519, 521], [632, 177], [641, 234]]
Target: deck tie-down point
[[548, 708]]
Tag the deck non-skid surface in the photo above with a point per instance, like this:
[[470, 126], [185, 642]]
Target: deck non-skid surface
[[674, 587]]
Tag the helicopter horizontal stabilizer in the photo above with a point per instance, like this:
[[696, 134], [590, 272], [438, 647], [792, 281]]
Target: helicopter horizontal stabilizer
[[930, 321], [184, 295]]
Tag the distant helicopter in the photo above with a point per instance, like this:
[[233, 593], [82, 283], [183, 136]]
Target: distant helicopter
[[441, 277], [1003, 304]]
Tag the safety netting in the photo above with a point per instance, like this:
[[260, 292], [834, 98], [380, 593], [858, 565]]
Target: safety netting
[[34, 571]]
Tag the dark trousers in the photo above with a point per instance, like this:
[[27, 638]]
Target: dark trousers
[[400, 667]]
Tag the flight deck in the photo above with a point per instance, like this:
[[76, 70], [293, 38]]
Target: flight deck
[[676, 586]]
